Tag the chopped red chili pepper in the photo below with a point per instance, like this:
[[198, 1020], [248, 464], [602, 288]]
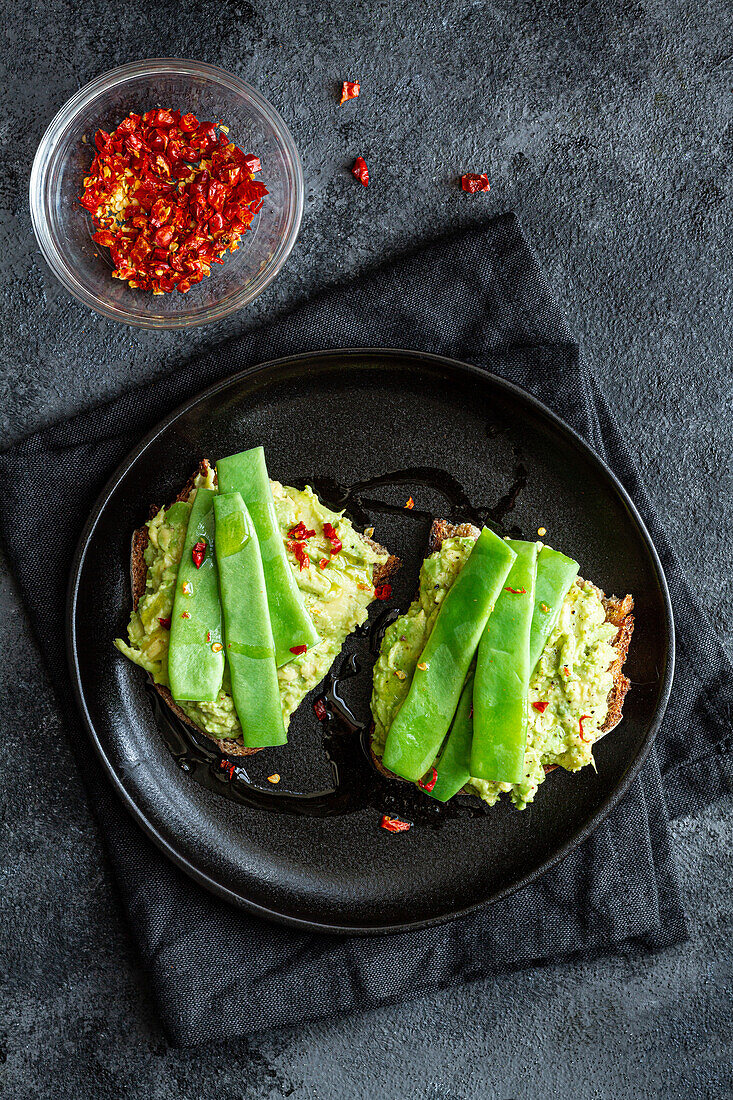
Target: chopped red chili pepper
[[349, 90], [300, 532], [330, 533], [473, 183], [169, 196], [166, 623], [226, 765], [298, 549], [580, 726], [541, 707], [320, 709], [323, 563], [198, 554], [517, 591], [430, 783], [410, 503], [383, 591], [298, 649], [394, 825], [361, 171]]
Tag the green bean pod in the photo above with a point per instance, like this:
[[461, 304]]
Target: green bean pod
[[195, 652], [556, 574], [292, 626], [422, 721], [454, 764], [250, 649], [502, 676]]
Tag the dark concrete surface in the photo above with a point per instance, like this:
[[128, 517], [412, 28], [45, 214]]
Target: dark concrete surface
[[607, 128]]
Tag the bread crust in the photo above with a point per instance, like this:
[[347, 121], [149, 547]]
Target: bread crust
[[138, 574], [618, 613]]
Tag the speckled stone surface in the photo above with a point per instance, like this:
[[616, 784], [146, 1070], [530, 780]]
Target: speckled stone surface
[[607, 129]]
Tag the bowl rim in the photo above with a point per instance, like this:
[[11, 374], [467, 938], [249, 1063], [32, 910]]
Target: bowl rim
[[44, 160]]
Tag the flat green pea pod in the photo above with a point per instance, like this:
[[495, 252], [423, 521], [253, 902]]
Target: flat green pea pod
[[195, 652], [292, 626], [502, 676], [453, 767], [422, 721], [556, 574], [250, 648]]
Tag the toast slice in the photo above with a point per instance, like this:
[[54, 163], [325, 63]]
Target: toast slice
[[618, 613], [138, 573]]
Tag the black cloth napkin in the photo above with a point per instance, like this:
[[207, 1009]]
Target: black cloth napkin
[[216, 971]]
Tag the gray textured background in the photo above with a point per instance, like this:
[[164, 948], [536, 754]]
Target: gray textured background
[[607, 128]]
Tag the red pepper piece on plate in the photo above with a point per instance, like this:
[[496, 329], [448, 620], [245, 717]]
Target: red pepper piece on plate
[[473, 183], [361, 171]]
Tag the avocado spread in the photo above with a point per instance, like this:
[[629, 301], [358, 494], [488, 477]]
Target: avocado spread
[[572, 675], [337, 590]]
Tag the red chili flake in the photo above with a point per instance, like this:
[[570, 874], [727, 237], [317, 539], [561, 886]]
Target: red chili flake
[[208, 635], [298, 649], [198, 554], [186, 615], [410, 503], [473, 183], [330, 533], [349, 90], [383, 591], [320, 709], [300, 532], [517, 591], [166, 623], [541, 707], [323, 563], [580, 726], [394, 825], [361, 171], [298, 549], [430, 783], [169, 196], [226, 765]]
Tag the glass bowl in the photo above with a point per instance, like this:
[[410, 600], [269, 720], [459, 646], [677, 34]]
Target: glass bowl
[[63, 228]]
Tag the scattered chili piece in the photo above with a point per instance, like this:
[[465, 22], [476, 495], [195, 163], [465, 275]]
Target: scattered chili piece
[[323, 563], [274, 778], [226, 765], [349, 90], [217, 647], [165, 623], [541, 707], [187, 588], [300, 532], [383, 591], [473, 182], [361, 171], [410, 503], [186, 615], [169, 196], [198, 554], [298, 549], [208, 635], [394, 825], [422, 666], [298, 649], [516, 591], [545, 608], [320, 710], [580, 727], [427, 785], [330, 533]]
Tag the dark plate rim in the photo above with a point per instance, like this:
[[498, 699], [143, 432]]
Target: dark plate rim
[[167, 847]]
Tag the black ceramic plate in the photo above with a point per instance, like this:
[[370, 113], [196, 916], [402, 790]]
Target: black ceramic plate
[[347, 417]]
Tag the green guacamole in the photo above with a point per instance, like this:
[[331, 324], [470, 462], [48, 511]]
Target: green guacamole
[[572, 675], [337, 592]]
